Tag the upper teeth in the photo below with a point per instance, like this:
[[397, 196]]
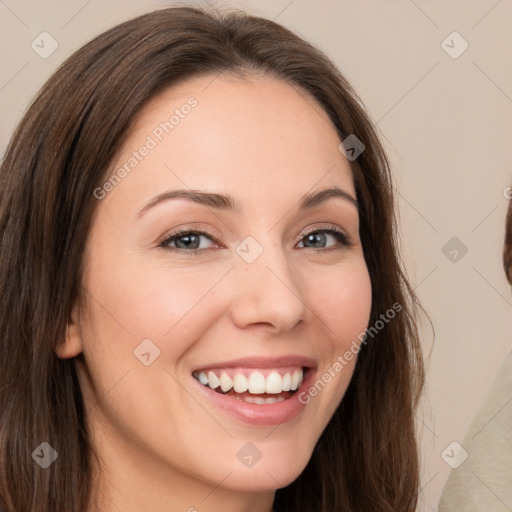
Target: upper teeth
[[256, 383]]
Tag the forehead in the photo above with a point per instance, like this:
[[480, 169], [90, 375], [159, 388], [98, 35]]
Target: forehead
[[247, 137]]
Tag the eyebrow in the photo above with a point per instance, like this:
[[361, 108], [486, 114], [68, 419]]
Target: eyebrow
[[228, 203]]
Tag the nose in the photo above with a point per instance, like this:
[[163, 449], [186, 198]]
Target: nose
[[268, 292]]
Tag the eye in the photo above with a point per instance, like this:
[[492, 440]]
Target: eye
[[319, 237], [186, 241]]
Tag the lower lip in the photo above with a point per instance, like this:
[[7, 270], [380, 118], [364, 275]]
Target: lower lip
[[264, 414]]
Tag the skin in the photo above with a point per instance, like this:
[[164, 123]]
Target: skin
[[162, 444]]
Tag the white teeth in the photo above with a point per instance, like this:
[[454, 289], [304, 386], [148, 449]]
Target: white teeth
[[256, 383], [258, 400], [295, 380], [274, 383], [240, 384], [287, 381], [225, 382], [261, 401], [213, 380]]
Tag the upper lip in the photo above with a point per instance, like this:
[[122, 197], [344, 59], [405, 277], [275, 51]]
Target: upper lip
[[261, 362]]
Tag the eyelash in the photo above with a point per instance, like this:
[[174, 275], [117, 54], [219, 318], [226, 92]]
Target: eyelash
[[340, 236]]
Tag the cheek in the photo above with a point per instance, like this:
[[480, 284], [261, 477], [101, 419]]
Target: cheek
[[135, 302], [341, 298]]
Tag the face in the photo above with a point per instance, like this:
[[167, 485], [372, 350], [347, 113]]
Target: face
[[254, 291]]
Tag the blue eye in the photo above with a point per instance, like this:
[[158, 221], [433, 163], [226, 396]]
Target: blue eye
[[320, 236], [189, 241], [186, 241]]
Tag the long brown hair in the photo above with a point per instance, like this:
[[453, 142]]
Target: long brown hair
[[507, 245], [367, 457]]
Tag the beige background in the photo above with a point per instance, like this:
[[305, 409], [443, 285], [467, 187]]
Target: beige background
[[447, 124]]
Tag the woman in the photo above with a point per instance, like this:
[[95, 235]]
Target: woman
[[483, 481], [275, 368]]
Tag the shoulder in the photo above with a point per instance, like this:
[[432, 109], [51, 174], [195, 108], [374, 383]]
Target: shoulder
[[484, 481]]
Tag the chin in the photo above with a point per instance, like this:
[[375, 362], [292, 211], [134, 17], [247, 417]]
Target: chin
[[274, 470]]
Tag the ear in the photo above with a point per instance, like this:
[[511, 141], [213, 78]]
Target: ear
[[71, 346]]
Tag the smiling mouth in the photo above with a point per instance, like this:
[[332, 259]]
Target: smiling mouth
[[261, 386]]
